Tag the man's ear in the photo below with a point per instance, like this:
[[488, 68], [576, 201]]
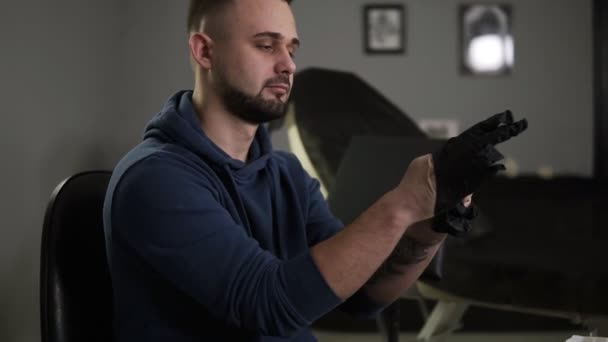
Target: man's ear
[[201, 49]]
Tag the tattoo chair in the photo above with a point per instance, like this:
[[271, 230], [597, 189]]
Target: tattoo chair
[[75, 288], [330, 107]]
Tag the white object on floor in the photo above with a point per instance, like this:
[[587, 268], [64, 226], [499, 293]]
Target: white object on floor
[[577, 338]]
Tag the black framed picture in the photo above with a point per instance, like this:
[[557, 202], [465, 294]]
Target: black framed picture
[[384, 29]]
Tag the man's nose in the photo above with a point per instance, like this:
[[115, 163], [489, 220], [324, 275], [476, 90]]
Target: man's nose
[[285, 63]]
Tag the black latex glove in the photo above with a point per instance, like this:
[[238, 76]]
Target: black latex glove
[[456, 221], [464, 162]]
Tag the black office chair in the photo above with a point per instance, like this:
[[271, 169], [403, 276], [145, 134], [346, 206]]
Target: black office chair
[[75, 287]]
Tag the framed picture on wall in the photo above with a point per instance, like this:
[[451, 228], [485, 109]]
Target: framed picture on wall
[[384, 29], [486, 39]]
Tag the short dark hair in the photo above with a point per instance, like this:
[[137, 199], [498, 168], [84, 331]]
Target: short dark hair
[[199, 8]]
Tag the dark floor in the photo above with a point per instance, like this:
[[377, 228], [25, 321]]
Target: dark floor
[[479, 324], [476, 319]]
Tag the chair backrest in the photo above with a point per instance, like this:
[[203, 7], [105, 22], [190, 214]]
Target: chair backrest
[[333, 106], [75, 288]]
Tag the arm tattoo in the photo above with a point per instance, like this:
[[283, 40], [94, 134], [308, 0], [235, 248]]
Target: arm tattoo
[[409, 251]]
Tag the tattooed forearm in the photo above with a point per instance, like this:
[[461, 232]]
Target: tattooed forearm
[[409, 251]]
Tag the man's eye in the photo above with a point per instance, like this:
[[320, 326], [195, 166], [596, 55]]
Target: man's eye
[[265, 47]]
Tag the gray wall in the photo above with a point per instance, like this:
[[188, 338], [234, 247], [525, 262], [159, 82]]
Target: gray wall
[[80, 78], [155, 62], [58, 79], [551, 84]]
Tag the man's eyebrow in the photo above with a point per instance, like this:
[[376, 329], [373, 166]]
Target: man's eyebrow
[[276, 36]]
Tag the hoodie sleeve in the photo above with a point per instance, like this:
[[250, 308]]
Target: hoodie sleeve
[[171, 217], [321, 225]]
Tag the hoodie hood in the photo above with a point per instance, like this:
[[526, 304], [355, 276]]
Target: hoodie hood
[[178, 122]]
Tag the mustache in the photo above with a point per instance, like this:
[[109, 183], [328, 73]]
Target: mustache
[[281, 79]]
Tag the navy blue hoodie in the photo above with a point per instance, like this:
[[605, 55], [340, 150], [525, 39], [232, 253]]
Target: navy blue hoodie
[[203, 247]]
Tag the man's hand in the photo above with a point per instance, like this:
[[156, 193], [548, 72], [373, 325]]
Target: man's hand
[[466, 161], [417, 189]]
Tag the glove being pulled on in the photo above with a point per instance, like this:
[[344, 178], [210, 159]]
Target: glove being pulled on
[[464, 162], [456, 221]]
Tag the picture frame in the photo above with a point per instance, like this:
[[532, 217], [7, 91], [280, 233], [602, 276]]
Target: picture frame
[[384, 28], [486, 39]]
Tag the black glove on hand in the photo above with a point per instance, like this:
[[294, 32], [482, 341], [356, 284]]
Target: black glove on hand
[[456, 221], [464, 162]]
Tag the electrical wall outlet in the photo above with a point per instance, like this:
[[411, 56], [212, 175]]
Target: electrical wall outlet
[[439, 128]]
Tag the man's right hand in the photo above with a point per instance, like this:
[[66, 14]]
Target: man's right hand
[[417, 190]]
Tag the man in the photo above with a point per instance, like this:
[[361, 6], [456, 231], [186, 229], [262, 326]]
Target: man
[[213, 236]]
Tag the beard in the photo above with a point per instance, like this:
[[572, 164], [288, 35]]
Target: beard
[[253, 109]]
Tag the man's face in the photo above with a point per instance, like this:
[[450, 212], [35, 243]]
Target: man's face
[[253, 63]]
